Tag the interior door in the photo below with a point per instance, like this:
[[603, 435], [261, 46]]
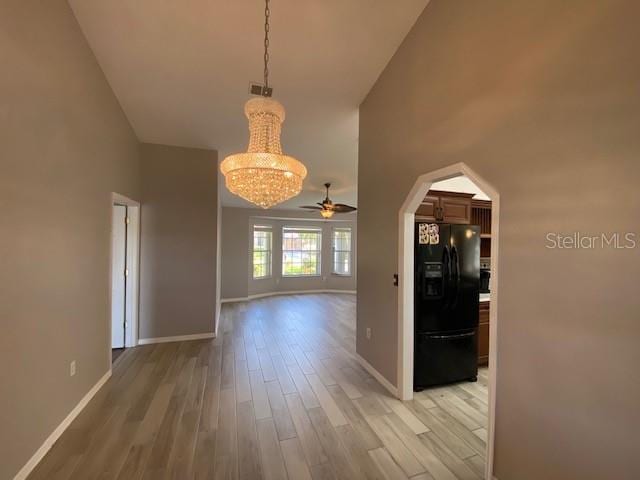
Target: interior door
[[118, 278]]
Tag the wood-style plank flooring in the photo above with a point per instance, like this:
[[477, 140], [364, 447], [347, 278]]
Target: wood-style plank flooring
[[278, 396], [115, 354]]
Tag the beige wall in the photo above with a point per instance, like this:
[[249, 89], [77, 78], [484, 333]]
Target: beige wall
[[235, 252], [65, 145], [542, 99], [237, 277], [179, 241]]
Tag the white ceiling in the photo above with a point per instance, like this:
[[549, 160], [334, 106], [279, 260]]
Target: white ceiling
[[460, 184], [181, 71]]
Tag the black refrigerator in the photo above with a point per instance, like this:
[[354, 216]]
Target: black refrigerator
[[446, 301]]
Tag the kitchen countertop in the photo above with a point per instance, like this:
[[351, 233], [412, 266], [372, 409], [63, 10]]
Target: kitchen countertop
[[485, 297]]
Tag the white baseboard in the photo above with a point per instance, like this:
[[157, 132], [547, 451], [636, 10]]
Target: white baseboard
[[179, 338], [289, 292], [48, 443], [217, 319], [234, 299], [377, 375]]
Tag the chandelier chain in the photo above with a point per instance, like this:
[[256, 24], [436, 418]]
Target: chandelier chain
[[267, 14]]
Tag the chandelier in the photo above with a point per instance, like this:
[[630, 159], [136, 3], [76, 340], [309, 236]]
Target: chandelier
[[263, 175]]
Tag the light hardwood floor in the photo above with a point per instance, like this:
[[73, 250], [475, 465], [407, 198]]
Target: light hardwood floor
[[277, 395]]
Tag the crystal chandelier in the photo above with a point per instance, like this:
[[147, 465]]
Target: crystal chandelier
[[263, 175]]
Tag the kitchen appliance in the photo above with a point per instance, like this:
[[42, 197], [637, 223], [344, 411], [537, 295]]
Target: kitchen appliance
[[485, 278], [446, 301]]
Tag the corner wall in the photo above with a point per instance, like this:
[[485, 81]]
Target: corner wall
[[179, 236], [65, 145], [542, 100], [237, 228]]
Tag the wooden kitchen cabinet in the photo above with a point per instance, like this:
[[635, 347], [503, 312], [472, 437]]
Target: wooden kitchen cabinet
[[483, 334], [456, 209], [428, 209], [446, 207]]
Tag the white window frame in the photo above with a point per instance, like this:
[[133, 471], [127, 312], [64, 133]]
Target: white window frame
[[334, 251], [318, 252], [269, 252]]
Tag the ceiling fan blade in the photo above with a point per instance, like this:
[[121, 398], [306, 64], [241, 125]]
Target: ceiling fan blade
[[321, 204], [311, 207], [342, 208]]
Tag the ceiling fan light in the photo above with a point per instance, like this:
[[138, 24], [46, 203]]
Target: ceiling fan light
[[326, 213]]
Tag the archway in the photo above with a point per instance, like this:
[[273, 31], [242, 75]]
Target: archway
[[406, 222]]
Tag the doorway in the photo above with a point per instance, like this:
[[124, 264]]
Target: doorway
[[125, 219], [407, 219]]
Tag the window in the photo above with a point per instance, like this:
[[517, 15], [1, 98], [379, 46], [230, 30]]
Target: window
[[262, 245], [301, 251], [341, 246]]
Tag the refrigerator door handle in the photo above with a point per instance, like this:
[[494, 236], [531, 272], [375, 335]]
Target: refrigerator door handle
[[446, 258], [455, 260]]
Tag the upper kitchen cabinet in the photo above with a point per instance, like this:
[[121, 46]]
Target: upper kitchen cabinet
[[428, 209], [447, 207], [456, 208]]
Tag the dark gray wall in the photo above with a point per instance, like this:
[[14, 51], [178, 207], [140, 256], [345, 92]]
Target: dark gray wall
[[179, 241], [65, 145], [237, 274], [542, 100]]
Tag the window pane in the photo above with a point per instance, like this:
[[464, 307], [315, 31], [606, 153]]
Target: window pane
[[341, 244], [301, 251], [342, 263], [262, 238]]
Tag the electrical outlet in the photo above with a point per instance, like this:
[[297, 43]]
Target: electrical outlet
[[368, 333], [72, 368]]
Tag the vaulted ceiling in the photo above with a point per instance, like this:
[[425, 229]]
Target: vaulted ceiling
[[181, 71]]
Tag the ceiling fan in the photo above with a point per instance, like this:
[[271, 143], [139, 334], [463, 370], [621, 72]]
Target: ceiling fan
[[328, 208]]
